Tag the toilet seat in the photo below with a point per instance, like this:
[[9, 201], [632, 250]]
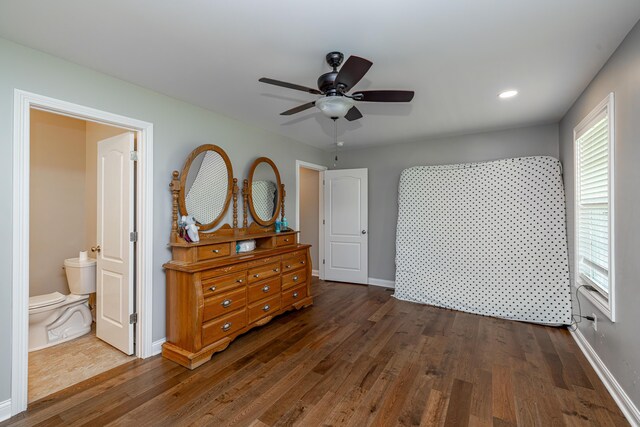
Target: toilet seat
[[45, 300], [48, 302]]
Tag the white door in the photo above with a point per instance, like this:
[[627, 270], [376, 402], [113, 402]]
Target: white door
[[345, 228], [115, 254]]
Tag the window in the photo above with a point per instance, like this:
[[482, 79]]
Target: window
[[593, 143]]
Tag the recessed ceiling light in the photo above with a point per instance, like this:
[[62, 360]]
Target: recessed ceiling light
[[340, 143], [508, 94]]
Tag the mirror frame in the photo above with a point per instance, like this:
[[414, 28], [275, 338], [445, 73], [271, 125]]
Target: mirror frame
[[255, 217], [183, 180]]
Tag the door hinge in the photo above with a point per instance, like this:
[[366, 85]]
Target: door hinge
[[323, 222], [323, 262], [134, 156], [133, 236], [133, 318], [323, 182]]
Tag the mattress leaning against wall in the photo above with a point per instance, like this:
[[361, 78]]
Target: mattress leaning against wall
[[485, 238]]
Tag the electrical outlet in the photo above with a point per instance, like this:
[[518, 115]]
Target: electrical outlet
[[594, 324]]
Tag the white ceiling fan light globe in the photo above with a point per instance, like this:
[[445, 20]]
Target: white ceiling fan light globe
[[334, 106]]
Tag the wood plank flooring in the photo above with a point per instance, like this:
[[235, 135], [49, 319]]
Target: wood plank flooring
[[356, 358]]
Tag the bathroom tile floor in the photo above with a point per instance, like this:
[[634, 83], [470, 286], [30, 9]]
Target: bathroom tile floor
[[58, 367]]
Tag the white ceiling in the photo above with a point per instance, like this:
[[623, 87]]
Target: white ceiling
[[456, 55]]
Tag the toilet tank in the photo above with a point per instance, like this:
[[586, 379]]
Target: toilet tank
[[81, 275]]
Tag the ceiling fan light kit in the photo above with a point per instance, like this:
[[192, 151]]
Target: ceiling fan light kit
[[335, 106], [334, 86]]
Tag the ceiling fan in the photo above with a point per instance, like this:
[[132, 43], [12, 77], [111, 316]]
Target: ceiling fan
[[334, 85]]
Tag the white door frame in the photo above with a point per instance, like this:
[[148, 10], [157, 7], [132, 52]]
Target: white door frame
[[23, 102], [300, 164]]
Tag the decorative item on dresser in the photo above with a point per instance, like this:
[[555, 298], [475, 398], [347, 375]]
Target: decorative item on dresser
[[213, 293]]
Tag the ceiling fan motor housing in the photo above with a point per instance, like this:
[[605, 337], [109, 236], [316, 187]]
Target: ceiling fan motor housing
[[325, 82]]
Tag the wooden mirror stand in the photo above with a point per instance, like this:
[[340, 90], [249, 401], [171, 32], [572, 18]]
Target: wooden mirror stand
[[215, 294]]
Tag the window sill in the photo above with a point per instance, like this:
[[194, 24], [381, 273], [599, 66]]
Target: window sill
[[598, 301]]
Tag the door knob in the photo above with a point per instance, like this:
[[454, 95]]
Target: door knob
[[95, 248], [364, 231]]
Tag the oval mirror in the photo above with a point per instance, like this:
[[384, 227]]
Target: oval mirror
[[206, 185], [265, 194]]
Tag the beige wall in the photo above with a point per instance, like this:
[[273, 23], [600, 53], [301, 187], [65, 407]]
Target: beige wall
[[57, 217], [63, 215], [95, 132], [309, 211]]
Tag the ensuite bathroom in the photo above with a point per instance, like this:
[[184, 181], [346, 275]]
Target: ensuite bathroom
[[65, 342]]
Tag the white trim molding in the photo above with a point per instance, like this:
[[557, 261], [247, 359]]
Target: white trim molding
[[23, 103], [5, 410], [381, 282], [157, 346], [321, 169], [627, 407], [315, 273]]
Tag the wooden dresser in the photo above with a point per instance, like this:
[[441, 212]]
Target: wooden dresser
[[214, 294]]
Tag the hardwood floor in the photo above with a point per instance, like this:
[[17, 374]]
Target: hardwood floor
[[357, 358]]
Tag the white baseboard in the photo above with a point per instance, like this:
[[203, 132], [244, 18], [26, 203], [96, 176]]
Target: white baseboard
[[315, 273], [5, 410], [622, 399], [156, 347], [381, 282]]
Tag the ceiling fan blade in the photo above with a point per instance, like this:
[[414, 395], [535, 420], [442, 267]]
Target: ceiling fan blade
[[384, 95], [298, 109], [353, 114], [290, 85], [352, 71]]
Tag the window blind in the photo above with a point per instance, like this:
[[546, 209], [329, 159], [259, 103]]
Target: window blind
[[593, 203]]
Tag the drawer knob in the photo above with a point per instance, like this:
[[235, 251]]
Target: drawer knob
[[256, 275], [266, 289], [239, 280], [295, 278], [213, 288], [215, 251], [286, 240], [266, 308], [226, 303], [295, 295], [275, 270], [288, 266], [226, 326], [302, 262]]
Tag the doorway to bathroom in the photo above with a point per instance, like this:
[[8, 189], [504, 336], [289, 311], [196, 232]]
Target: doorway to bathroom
[[82, 294]]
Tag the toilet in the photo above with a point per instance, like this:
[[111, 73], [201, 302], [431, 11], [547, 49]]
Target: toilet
[[55, 318]]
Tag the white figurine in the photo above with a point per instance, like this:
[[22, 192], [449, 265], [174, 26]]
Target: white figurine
[[191, 228]]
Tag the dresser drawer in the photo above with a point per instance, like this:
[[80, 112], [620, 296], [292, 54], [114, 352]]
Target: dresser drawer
[[264, 272], [217, 329], [213, 251], [223, 271], [218, 285], [264, 308], [293, 295], [225, 303], [294, 278], [288, 239], [294, 254], [290, 264], [264, 289]]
